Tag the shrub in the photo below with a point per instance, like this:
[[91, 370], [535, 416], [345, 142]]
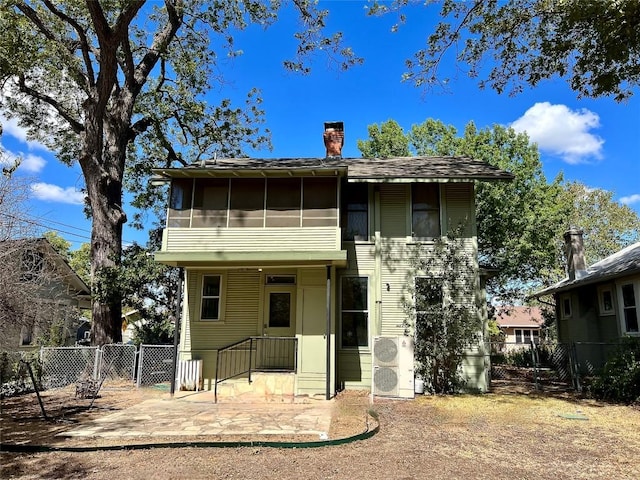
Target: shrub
[[620, 378]]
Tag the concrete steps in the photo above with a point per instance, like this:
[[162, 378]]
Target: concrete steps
[[264, 387]]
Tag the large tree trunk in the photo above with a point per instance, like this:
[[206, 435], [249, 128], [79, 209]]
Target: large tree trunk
[[103, 168]]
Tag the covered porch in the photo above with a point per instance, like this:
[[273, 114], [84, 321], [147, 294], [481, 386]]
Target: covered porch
[[251, 314]]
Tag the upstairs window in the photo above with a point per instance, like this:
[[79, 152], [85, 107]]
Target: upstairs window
[[425, 210], [246, 205], [180, 203], [320, 202], [355, 211], [210, 203], [283, 202]]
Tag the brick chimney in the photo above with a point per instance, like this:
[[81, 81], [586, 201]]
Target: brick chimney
[[574, 250], [333, 137]]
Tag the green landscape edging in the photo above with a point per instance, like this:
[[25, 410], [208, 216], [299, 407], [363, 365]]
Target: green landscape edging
[[24, 448]]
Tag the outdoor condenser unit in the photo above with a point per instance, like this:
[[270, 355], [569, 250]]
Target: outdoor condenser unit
[[393, 374]]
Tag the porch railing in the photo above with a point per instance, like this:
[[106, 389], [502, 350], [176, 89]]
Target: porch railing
[[255, 354]]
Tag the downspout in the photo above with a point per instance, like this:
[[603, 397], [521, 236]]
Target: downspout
[[328, 333], [176, 331]]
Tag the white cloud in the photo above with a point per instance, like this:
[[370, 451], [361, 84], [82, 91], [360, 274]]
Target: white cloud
[[29, 162], [560, 131], [11, 127], [54, 193], [635, 198], [32, 163]]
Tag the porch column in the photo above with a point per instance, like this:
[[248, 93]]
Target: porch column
[[176, 331], [328, 334]]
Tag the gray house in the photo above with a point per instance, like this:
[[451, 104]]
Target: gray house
[[39, 288], [598, 304]]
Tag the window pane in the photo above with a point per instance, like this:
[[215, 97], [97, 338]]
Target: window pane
[[210, 308], [631, 320], [280, 310], [210, 202], [355, 211], [246, 202], [354, 329], [354, 303], [283, 202], [426, 224], [211, 286], [628, 296], [607, 301], [180, 203], [527, 336], [354, 293], [518, 336], [425, 199], [320, 202]]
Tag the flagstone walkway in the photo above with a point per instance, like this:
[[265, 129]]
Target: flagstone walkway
[[197, 415]]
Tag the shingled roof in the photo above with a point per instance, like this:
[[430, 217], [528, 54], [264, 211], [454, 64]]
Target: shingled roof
[[355, 169], [620, 264]]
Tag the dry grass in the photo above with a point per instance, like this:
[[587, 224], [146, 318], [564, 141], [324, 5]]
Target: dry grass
[[494, 436]]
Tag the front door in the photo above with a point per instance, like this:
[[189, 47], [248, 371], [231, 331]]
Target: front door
[[280, 312], [279, 329]]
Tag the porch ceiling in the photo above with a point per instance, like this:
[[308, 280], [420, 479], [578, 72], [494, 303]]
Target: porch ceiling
[[337, 258]]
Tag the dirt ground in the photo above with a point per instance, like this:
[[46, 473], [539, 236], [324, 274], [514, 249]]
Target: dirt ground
[[492, 436]]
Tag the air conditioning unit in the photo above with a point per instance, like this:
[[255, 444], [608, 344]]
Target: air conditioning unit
[[393, 374]]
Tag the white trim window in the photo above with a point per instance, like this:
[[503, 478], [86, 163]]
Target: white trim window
[[565, 306], [630, 307], [354, 306], [605, 300], [524, 335], [211, 297]]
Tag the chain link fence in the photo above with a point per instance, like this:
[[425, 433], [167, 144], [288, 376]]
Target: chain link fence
[[118, 362], [547, 366], [57, 367], [62, 366], [155, 364]]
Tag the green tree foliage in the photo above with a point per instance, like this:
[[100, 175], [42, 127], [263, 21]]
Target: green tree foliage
[[519, 221], [385, 140], [608, 225], [80, 261], [440, 314], [594, 44], [59, 244], [119, 88]]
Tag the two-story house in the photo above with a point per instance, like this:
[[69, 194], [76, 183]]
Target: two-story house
[[301, 263]]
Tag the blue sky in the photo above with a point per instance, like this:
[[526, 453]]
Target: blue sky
[[596, 142]]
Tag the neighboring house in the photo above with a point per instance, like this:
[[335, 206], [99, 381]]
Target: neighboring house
[[520, 325], [599, 303], [311, 257], [39, 289]]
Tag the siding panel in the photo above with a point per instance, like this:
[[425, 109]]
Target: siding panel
[[251, 239]]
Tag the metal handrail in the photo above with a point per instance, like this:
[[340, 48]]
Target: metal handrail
[[255, 354]]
